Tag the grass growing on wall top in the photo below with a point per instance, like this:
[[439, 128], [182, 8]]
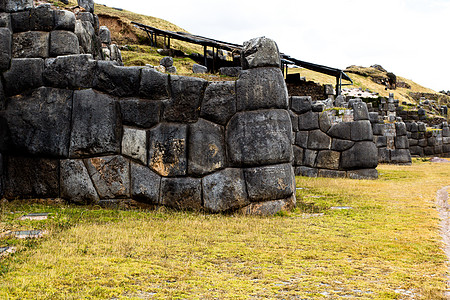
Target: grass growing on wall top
[[386, 247]]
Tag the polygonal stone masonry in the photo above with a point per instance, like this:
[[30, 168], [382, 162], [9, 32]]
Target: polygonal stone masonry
[[134, 144]]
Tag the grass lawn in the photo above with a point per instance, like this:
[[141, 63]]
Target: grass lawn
[[386, 247]]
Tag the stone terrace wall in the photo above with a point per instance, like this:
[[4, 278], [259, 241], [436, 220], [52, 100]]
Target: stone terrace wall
[[333, 142], [425, 141], [93, 132]]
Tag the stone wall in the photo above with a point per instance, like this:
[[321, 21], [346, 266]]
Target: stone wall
[[332, 141], [90, 131], [425, 141]]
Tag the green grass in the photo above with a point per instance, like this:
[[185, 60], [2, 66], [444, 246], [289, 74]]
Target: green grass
[[388, 244]]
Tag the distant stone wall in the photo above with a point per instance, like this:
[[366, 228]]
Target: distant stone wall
[[425, 141], [332, 141], [90, 131]]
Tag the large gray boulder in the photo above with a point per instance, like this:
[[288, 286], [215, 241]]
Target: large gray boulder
[[30, 44], [341, 130], [341, 145], [270, 182], [308, 121], [181, 193], [110, 175], [105, 35], [39, 123], [76, 185], [64, 20], [31, 177], [309, 158], [261, 88], [70, 71], [219, 102], [89, 41], [154, 84], [87, 5], [401, 156], [363, 174], [206, 148], [145, 184], [360, 111], [5, 21], [363, 155], [116, 80], [16, 5], [63, 42], [301, 104], [140, 112], [269, 208], [260, 52], [318, 140], [224, 190], [5, 48], [361, 131], [25, 74], [166, 61], [41, 18], [96, 127], [328, 159], [199, 69], [301, 139], [134, 144], [187, 94], [260, 137], [167, 153]]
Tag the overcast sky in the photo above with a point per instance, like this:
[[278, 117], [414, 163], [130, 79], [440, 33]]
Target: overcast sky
[[407, 37]]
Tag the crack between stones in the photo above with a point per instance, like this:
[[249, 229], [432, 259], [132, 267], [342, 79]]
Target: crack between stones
[[443, 208]]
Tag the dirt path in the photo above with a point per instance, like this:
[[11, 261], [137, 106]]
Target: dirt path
[[444, 213]]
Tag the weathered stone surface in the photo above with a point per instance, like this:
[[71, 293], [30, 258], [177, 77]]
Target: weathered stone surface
[[230, 71], [5, 20], [25, 74], [199, 69], [309, 158], [341, 130], [414, 127], [341, 145], [206, 148], [429, 150], [269, 208], [381, 141], [70, 71], [331, 173], [87, 5], [413, 142], [308, 121], [360, 111], [423, 142], [301, 138], [224, 190], [301, 104], [373, 117], [416, 150], [154, 85], [219, 102], [41, 18], [64, 20], [105, 35], [260, 137], [96, 127], [5, 48], [166, 61], [31, 177], [30, 44], [63, 42], [134, 144], [111, 176], [400, 156], [2, 97], [261, 88], [167, 149], [361, 131], [145, 184], [181, 193], [298, 155], [400, 128], [363, 155], [20, 21], [40, 123], [328, 159], [270, 182], [318, 140], [324, 121], [378, 129], [317, 107], [86, 17], [384, 155], [294, 121], [16, 5], [401, 142], [140, 112], [89, 41], [260, 52], [76, 185], [116, 80], [363, 174], [306, 171]]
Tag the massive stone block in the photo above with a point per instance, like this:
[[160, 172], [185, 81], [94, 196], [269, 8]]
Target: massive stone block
[[181, 193], [40, 123], [5, 48], [71, 71], [341, 145], [145, 184], [328, 159], [5, 21], [187, 93], [260, 52], [400, 128], [361, 131], [41, 18], [301, 138], [64, 20], [63, 42], [224, 190], [134, 144], [96, 127], [341, 130], [116, 80], [261, 88], [88, 5], [401, 142], [301, 104], [360, 111], [270, 182], [260, 137], [298, 155], [269, 208], [306, 171], [167, 149], [318, 140], [154, 84], [25, 74], [206, 148], [20, 21], [308, 121], [76, 185], [219, 102], [363, 174], [401, 156], [31, 177], [140, 112], [378, 129], [325, 121], [309, 158], [331, 173], [15, 5], [30, 44], [105, 35], [111, 176], [363, 155]]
